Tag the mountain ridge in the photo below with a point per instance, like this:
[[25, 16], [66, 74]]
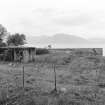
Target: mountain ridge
[[57, 38], [63, 39]]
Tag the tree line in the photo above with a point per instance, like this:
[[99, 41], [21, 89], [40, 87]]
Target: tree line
[[8, 39]]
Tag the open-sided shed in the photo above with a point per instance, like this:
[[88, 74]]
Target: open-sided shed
[[22, 53]]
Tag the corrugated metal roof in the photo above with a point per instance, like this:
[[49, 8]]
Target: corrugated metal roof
[[21, 46], [27, 45]]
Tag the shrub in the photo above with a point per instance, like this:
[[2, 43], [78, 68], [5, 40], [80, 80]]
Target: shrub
[[40, 51], [3, 95]]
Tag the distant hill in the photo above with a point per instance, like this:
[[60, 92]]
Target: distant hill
[[58, 38], [64, 41]]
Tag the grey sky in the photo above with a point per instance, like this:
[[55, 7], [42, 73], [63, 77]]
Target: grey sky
[[84, 18]]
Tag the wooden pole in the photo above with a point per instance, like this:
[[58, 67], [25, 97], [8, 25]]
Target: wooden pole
[[23, 77], [55, 81], [14, 55]]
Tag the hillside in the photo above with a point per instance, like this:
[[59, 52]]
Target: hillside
[[56, 39], [63, 39]]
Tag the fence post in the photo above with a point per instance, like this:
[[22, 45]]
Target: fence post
[[23, 77], [55, 81]]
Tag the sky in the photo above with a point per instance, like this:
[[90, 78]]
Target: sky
[[85, 18]]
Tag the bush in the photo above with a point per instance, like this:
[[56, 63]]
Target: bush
[[42, 51], [3, 95]]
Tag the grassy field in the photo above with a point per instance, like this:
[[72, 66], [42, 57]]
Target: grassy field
[[80, 81]]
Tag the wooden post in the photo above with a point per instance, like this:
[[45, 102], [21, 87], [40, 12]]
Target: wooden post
[[55, 81], [34, 54], [23, 77], [14, 54]]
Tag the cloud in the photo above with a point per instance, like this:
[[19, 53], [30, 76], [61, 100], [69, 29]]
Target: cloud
[[63, 17], [44, 11], [73, 19], [98, 23], [49, 21]]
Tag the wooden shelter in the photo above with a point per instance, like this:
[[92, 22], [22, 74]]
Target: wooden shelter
[[22, 53]]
